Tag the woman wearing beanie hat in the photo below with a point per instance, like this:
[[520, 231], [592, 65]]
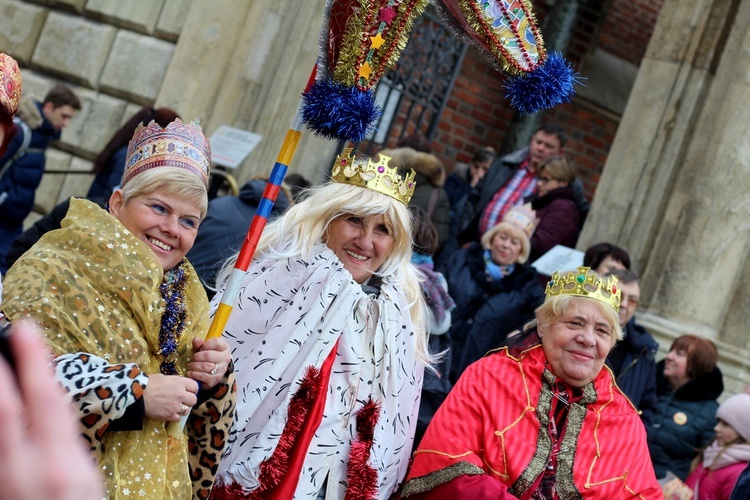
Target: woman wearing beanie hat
[[726, 457], [495, 290]]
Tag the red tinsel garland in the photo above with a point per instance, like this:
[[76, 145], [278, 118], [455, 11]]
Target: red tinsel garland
[[362, 478], [276, 466]]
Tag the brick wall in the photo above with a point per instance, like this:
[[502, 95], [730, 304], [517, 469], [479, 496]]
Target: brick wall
[[477, 116]]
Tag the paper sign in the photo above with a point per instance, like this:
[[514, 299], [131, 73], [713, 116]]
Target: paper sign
[[230, 145], [559, 258]]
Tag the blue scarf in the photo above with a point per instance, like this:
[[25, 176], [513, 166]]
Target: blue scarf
[[495, 272]]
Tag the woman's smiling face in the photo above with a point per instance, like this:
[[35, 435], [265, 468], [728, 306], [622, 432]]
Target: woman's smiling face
[[577, 342], [167, 224], [361, 243]]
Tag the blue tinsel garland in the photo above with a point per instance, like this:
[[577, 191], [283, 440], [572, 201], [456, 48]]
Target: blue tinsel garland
[[173, 319], [339, 112], [550, 84]]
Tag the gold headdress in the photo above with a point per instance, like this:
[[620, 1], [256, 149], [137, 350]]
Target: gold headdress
[[585, 283], [375, 175], [180, 145]]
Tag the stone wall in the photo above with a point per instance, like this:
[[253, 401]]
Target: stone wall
[[230, 62], [674, 188]]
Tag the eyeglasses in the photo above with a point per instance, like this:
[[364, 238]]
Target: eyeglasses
[[630, 299]]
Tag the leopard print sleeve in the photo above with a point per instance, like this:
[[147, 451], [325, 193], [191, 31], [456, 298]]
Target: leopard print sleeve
[[208, 430], [100, 392]]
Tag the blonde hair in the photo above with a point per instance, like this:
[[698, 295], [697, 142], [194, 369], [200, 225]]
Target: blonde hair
[[305, 223], [172, 181], [514, 232], [559, 168], [558, 305]]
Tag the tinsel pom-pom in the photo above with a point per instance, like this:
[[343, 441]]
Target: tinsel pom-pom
[[550, 84], [339, 112]]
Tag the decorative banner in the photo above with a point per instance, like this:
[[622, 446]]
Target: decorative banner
[[506, 33], [359, 41]]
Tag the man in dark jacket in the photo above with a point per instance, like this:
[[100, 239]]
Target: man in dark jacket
[[22, 165], [221, 234], [510, 179], [633, 358]]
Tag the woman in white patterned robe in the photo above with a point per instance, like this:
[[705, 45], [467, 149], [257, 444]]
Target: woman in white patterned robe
[[329, 347]]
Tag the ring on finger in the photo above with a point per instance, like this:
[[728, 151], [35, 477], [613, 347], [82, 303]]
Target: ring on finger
[[216, 369], [185, 410]]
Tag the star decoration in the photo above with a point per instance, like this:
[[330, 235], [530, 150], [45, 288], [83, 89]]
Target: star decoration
[[376, 41], [386, 15], [365, 71]]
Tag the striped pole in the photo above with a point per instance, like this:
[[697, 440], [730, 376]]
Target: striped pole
[[232, 290]]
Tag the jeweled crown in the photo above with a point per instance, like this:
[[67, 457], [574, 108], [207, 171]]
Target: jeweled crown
[[376, 175], [584, 282], [181, 145], [10, 84]]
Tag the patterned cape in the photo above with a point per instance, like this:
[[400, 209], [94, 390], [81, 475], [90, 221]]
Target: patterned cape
[[289, 316], [95, 289]]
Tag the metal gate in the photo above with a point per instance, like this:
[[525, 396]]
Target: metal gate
[[414, 93]]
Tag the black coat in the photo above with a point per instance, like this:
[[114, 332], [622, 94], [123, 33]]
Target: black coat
[[19, 183], [221, 234], [684, 423], [637, 374], [486, 311]]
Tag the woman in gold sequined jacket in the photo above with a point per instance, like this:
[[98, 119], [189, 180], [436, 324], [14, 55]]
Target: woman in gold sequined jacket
[[125, 315]]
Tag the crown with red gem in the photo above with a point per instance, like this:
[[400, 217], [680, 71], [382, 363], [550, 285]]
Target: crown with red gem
[[375, 175], [585, 283], [10, 84], [180, 145]]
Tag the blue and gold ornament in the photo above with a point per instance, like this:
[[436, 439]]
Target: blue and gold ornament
[[506, 33], [359, 41]]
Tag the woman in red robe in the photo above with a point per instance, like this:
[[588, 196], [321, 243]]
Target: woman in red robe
[[541, 418]]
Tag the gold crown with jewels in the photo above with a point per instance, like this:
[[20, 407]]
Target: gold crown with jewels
[[375, 175], [584, 282]]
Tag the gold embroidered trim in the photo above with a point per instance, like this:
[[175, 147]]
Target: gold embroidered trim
[[438, 477]]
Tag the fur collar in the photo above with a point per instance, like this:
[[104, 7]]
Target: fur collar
[[426, 164]]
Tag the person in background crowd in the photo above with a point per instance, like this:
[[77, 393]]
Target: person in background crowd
[[110, 162], [728, 455], [41, 449], [554, 204], [688, 384], [330, 344], [429, 193], [605, 257], [125, 316], [458, 185], [10, 95], [464, 177], [439, 305], [539, 418], [22, 165], [495, 292], [510, 179], [633, 359]]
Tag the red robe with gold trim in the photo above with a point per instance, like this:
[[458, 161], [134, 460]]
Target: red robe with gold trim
[[486, 437]]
